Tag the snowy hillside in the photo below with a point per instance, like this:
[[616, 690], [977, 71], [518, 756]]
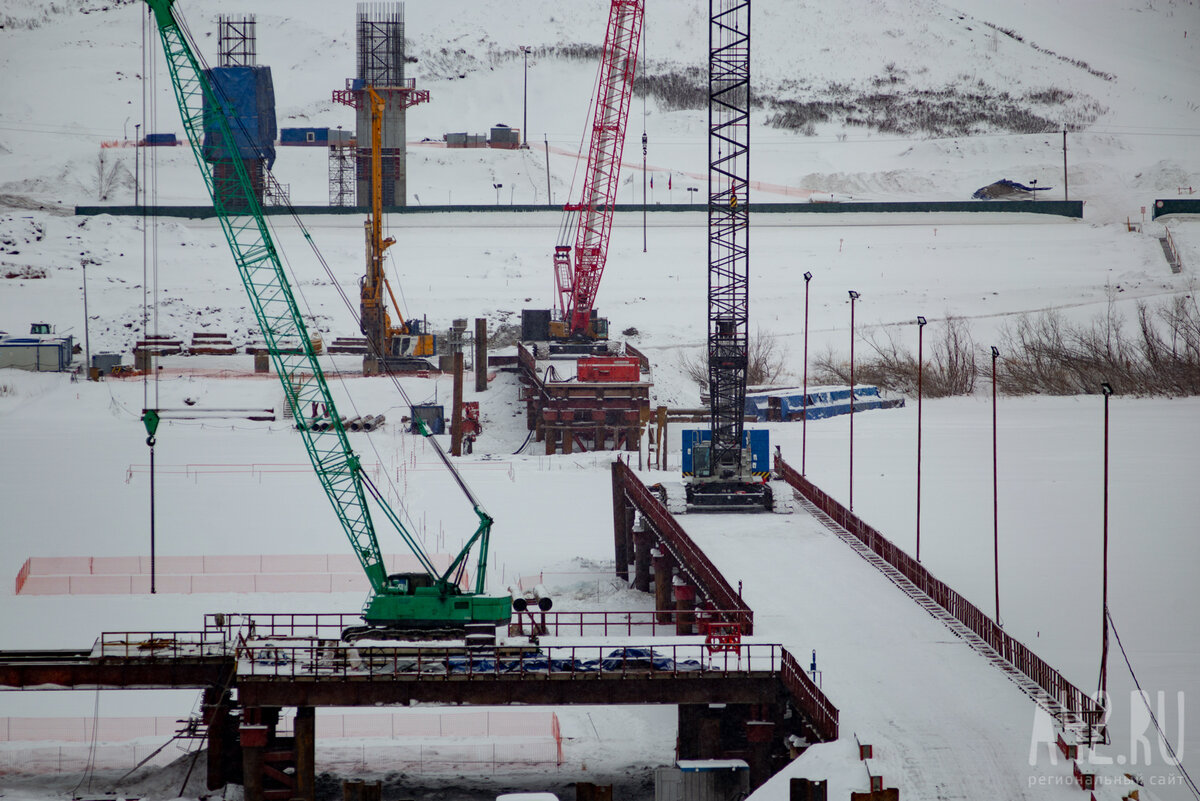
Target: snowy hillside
[[837, 87]]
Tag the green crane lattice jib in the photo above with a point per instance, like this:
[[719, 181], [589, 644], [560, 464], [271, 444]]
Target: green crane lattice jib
[[276, 310]]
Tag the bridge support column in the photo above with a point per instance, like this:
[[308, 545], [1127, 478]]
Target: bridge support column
[[254, 744], [759, 736], [685, 608], [622, 525], [642, 543], [662, 584], [306, 740], [699, 732], [222, 738]]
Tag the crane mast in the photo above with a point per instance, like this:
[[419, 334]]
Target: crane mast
[[396, 602], [578, 268], [723, 477]]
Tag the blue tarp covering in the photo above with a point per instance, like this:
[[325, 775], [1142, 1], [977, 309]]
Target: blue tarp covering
[[821, 403], [248, 97], [1006, 188]]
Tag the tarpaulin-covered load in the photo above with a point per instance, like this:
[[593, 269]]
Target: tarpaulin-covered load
[[248, 97], [783, 404], [1005, 189]]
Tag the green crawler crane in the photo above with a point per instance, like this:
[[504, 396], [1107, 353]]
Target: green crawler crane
[[400, 605]]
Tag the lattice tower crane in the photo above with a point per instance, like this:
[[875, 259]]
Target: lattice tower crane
[[578, 267]]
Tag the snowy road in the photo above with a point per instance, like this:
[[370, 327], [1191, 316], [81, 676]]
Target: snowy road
[[944, 723]]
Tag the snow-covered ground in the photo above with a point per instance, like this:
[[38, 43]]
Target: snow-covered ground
[[73, 454]]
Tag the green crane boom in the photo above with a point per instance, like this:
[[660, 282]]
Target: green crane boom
[[396, 602]]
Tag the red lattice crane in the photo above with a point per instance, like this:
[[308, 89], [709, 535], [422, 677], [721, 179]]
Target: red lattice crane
[[577, 269]]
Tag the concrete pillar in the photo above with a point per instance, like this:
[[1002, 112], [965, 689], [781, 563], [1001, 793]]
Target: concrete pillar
[[306, 739], [481, 357]]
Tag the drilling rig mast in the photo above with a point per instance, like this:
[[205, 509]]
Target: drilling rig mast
[[723, 477]]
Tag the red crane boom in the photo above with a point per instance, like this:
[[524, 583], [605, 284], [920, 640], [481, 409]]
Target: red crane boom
[[577, 269]]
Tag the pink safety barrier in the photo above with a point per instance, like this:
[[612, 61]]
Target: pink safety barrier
[[231, 573]]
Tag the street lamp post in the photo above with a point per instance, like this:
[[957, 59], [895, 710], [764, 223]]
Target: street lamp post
[[1101, 693], [137, 146], [645, 150], [995, 493], [804, 419], [921, 321], [692, 194], [525, 99], [853, 298], [497, 187]]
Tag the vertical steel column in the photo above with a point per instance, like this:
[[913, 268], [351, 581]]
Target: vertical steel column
[[995, 492], [853, 298], [804, 419], [921, 321]]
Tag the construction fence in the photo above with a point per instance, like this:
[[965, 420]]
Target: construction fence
[[413, 740]]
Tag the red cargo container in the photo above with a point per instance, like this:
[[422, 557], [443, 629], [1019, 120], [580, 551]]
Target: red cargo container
[[608, 368]]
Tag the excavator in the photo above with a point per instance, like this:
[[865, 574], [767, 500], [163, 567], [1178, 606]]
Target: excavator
[[424, 604]]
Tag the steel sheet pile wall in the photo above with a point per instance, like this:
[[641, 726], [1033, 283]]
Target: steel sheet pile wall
[[1021, 657]]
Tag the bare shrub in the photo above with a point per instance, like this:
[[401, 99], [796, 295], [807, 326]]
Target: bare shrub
[[949, 369], [1045, 355], [766, 362]]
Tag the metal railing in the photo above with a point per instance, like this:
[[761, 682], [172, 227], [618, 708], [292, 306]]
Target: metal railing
[[164, 645], [1016, 653], [821, 712], [281, 661], [691, 559], [628, 624]]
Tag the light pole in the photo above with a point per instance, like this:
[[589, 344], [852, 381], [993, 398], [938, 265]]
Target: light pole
[[804, 419], [921, 321], [853, 297], [525, 99], [137, 147], [497, 187], [1102, 691], [645, 149], [87, 345], [692, 194], [995, 493]]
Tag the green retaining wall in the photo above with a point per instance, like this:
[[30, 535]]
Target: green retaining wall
[[1179, 206], [1062, 208]]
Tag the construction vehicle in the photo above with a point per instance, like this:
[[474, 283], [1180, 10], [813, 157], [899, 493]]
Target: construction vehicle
[[399, 606], [578, 267], [406, 346], [723, 474]]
